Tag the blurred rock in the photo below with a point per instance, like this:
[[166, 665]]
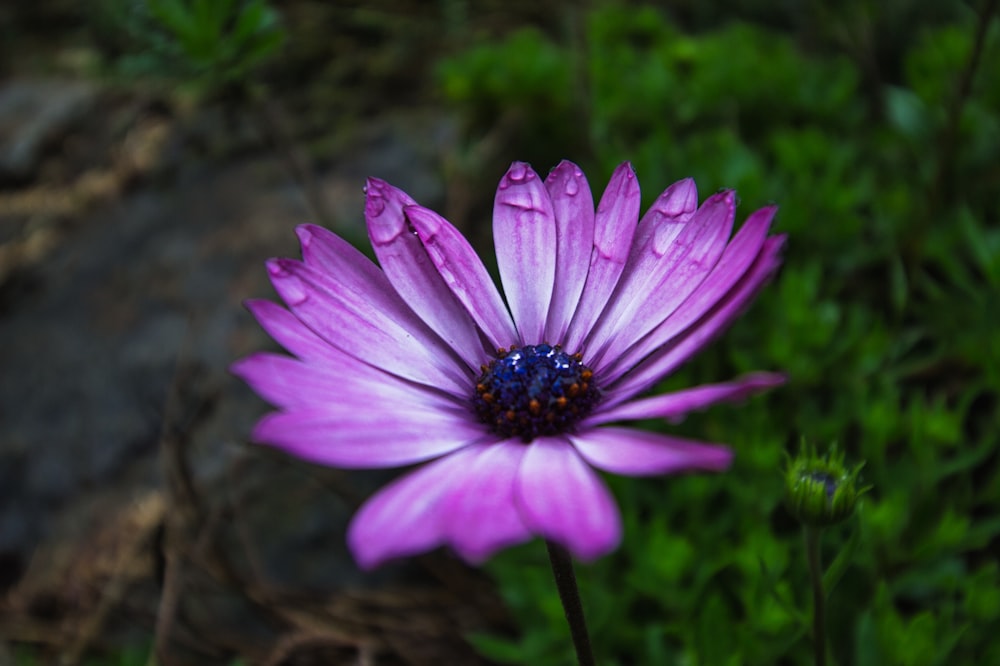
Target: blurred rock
[[33, 116], [115, 397]]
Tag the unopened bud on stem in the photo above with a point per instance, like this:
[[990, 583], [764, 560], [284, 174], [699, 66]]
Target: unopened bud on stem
[[819, 489]]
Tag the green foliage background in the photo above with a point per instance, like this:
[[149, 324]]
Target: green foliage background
[[884, 316], [203, 44]]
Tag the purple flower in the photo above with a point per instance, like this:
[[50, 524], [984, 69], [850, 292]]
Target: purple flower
[[400, 364]]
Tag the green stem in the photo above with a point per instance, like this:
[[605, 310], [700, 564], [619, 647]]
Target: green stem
[[940, 190], [819, 596], [562, 569]]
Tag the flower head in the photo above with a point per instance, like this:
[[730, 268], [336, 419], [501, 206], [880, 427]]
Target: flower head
[[819, 489], [509, 405]]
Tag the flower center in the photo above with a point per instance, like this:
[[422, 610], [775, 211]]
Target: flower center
[[829, 483], [533, 391]]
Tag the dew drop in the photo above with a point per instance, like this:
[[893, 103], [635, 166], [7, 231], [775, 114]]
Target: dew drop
[[295, 293], [305, 237], [375, 205], [518, 172], [572, 186], [292, 291]]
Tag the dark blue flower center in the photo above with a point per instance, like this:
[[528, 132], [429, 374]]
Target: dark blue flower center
[[829, 483], [533, 391]]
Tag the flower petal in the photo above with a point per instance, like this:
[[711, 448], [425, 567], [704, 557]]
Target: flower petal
[[675, 406], [663, 276], [288, 331], [632, 452], [524, 234], [480, 515], [349, 316], [737, 259], [352, 437], [665, 218], [413, 275], [661, 362], [573, 206], [351, 272], [614, 228], [403, 518], [328, 253], [563, 500], [464, 273], [287, 382]]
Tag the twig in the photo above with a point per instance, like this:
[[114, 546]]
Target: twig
[[167, 610], [276, 133], [949, 137], [114, 592]]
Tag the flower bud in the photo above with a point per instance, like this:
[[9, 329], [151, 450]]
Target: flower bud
[[820, 490]]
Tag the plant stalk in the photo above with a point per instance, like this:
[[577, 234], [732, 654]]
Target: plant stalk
[[950, 137], [562, 569], [812, 535]]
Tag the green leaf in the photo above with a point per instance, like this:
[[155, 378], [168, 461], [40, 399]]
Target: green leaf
[[844, 559], [173, 15]]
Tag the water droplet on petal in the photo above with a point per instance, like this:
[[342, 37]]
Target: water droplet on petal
[[294, 292], [275, 269], [572, 187], [305, 237], [374, 197], [374, 206], [518, 172]]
